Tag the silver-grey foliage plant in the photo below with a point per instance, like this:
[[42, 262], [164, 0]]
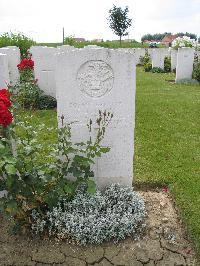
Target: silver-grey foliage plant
[[93, 219]]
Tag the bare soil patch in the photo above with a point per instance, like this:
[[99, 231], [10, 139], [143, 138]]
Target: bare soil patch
[[164, 243]]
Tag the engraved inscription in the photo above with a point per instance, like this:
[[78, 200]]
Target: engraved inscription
[[95, 78]]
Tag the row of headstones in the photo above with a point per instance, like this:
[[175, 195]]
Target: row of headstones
[[45, 62], [86, 81], [9, 59], [89, 80]]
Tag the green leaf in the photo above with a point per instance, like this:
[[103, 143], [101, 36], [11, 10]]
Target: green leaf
[[10, 169], [10, 160], [91, 186], [104, 149], [2, 164]]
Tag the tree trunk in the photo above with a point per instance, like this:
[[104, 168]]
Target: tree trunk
[[120, 40]]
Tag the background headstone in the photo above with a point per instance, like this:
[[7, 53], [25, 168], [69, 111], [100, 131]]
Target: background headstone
[[89, 80], [185, 61], [65, 48], [158, 56], [44, 68], [4, 71], [137, 52], [13, 54], [173, 59]]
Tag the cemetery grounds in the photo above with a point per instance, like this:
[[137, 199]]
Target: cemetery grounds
[[167, 142]]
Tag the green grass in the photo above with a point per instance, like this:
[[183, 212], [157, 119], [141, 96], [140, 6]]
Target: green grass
[[167, 141]]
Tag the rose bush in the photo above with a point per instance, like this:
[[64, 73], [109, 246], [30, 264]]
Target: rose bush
[[26, 63], [5, 103], [28, 94]]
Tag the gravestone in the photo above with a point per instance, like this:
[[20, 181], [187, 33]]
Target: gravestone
[[185, 61], [13, 54], [93, 47], [137, 52], [44, 68], [150, 51], [65, 48], [173, 59], [4, 72], [158, 56], [89, 80]]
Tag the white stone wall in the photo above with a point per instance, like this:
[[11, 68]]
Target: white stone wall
[[185, 61], [13, 54], [89, 80], [44, 68], [173, 59], [4, 71], [158, 55]]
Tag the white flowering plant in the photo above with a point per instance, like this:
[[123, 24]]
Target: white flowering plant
[[184, 41], [114, 214]]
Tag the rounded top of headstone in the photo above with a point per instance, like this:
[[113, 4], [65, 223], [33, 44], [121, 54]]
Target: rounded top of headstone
[[93, 47]]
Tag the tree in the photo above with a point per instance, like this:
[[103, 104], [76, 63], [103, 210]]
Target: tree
[[154, 37], [119, 21]]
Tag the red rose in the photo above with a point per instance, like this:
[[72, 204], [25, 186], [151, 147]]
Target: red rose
[[5, 97], [25, 64], [5, 115], [5, 92]]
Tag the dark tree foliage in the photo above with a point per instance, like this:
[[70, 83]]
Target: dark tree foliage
[[154, 37], [119, 21], [191, 35], [160, 36]]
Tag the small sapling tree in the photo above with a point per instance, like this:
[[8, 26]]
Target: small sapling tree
[[119, 21]]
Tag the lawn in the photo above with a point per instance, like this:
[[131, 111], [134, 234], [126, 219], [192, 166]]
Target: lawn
[[167, 141]]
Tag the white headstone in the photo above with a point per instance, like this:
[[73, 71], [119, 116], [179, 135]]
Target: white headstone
[[13, 54], [150, 51], [93, 47], [100, 79], [158, 57], [44, 68], [4, 72], [185, 61], [65, 48], [173, 59], [137, 52]]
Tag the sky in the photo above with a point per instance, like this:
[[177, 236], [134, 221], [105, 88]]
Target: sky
[[43, 20]]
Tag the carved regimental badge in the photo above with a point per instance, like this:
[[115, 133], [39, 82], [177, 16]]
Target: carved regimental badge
[[95, 78]]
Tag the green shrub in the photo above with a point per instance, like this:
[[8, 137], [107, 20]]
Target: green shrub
[[145, 59], [157, 70], [27, 93], [31, 185], [167, 64], [147, 67], [196, 71], [16, 39], [146, 62], [46, 102]]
